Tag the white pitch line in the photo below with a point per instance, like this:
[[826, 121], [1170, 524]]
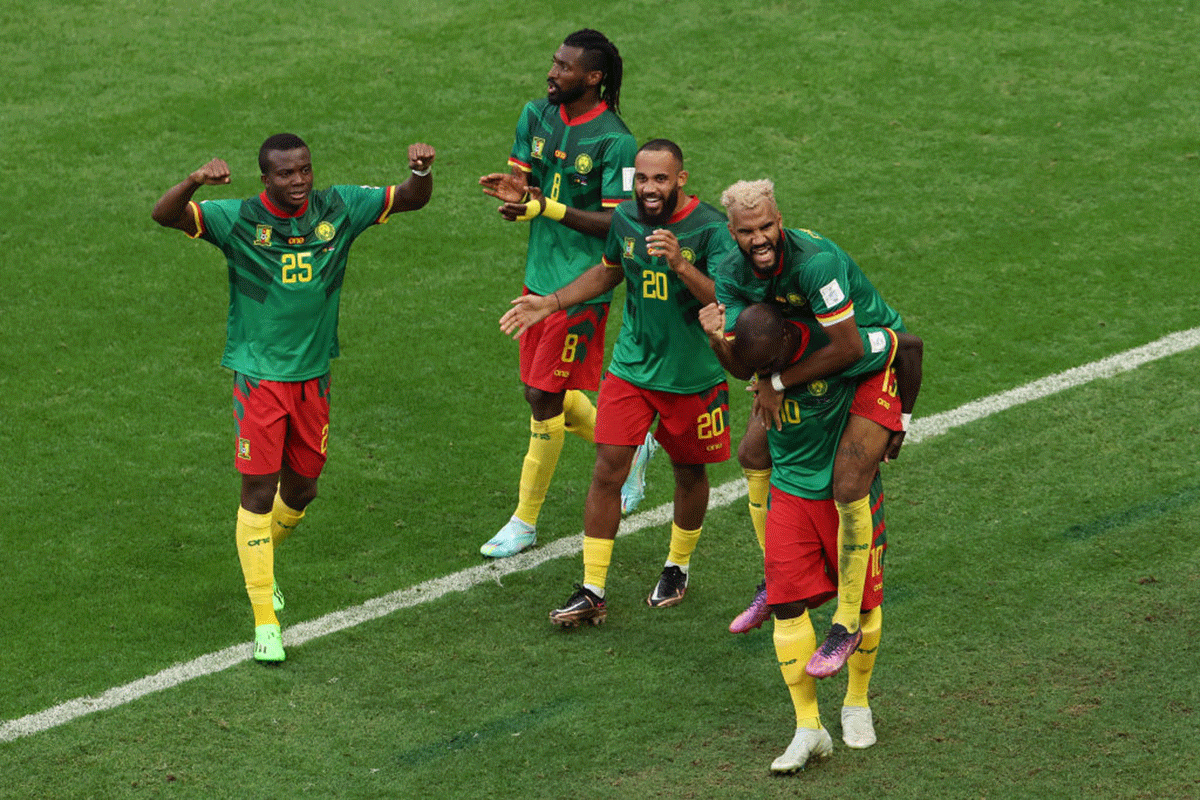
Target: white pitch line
[[922, 428]]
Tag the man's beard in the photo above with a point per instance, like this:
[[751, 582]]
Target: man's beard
[[566, 96], [663, 216]]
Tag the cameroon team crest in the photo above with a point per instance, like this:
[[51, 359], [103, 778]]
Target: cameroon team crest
[[818, 388], [262, 235], [325, 231], [796, 299], [688, 254], [583, 163]]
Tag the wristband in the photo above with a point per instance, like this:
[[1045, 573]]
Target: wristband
[[532, 208], [905, 419], [554, 210], [420, 174], [777, 382]]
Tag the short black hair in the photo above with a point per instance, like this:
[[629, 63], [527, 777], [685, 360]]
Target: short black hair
[[599, 53], [666, 145], [279, 141], [758, 332]]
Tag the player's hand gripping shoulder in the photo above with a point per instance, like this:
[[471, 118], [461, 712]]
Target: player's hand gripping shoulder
[[528, 310], [767, 404]]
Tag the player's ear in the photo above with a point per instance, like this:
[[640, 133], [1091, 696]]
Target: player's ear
[[683, 176]]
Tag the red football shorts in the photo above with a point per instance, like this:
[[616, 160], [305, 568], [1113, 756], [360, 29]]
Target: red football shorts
[[281, 422], [876, 399], [692, 428], [566, 349], [802, 550]]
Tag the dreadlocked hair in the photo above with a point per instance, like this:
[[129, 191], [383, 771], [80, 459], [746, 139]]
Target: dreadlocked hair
[[599, 53]]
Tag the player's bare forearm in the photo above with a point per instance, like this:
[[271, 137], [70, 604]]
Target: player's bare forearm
[[909, 359], [415, 192], [828, 360], [593, 223], [171, 210], [591, 284]]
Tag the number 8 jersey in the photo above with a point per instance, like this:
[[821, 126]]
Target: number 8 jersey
[[285, 275]]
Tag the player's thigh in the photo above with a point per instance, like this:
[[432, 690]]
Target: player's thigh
[[694, 428]]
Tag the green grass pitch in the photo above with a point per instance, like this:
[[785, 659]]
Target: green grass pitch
[[1018, 178]]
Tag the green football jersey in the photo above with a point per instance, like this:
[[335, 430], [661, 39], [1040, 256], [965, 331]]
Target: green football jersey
[[585, 163], [285, 275], [815, 413], [813, 279], [661, 345]]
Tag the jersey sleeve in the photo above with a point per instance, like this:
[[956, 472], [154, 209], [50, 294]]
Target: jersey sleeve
[[521, 155], [879, 349], [718, 246], [215, 219], [617, 169], [828, 287], [728, 291], [614, 242], [366, 205]]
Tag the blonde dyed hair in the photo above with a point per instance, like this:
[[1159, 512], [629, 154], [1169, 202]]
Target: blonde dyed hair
[[745, 195]]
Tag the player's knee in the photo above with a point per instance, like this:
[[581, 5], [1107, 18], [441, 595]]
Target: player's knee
[[753, 455], [852, 485], [788, 610], [544, 405]]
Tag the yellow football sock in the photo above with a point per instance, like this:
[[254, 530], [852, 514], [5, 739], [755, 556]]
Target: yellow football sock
[[683, 543], [854, 547], [597, 555], [758, 487], [545, 444], [284, 520], [862, 663], [580, 415], [257, 555], [795, 642]]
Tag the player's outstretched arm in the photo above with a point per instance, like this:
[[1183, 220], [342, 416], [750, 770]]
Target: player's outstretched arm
[[530, 309], [909, 359], [171, 210], [415, 192]]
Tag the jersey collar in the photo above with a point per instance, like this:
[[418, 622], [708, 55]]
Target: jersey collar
[[688, 208], [587, 116], [279, 212]]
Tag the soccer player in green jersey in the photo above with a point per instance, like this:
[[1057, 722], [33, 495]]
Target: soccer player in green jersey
[[570, 165], [663, 245], [809, 278], [801, 545], [286, 251]]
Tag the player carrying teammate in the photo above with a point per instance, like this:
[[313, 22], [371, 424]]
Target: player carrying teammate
[[286, 250], [571, 164], [663, 245], [801, 540]]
